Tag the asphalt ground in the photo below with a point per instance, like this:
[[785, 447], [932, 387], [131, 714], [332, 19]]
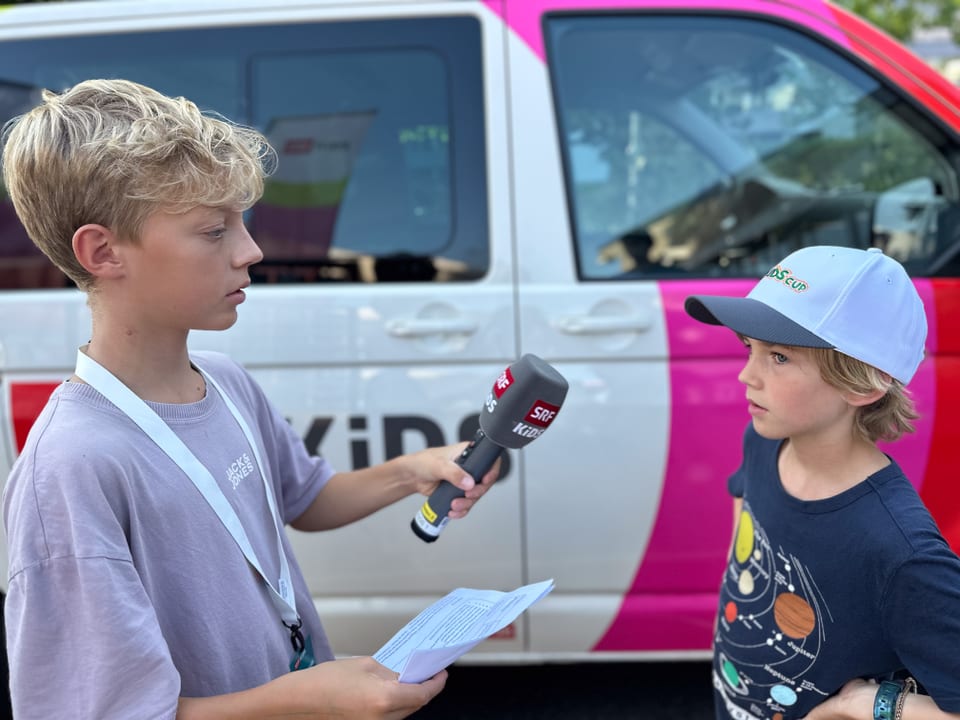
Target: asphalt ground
[[594, 691]]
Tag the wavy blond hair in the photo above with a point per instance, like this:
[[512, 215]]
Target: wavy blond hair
[[110, 152], [886, 419]]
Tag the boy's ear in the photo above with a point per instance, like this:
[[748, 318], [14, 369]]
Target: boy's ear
[[96, 249], [863, 399]]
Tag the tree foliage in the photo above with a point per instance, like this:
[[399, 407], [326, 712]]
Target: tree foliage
[[901, 18]]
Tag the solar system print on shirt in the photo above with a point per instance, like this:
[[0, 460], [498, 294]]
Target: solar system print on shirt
[[772, 627]]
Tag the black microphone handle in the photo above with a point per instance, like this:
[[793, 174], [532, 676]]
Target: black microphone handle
[[476, 459]]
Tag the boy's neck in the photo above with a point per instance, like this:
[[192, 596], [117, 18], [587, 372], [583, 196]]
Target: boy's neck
[[155, 370], [817, 471]]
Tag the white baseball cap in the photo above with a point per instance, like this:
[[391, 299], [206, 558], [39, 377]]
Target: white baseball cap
[[859, 302]]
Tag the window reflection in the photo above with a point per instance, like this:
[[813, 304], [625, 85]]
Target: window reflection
[[713, 146], [375, 181]]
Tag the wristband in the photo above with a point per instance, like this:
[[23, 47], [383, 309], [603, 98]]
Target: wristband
[[885, 701], [909, 685]]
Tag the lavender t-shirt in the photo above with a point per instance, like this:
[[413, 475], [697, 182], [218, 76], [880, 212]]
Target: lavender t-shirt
[[125, 590]]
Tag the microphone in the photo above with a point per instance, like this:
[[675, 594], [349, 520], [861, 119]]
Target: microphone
[[523, 402]]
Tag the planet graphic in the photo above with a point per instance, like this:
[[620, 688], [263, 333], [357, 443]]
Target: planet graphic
[[745, 583], [744, 543], [793, 615], [783, 695], [732, 677], [730, 611]]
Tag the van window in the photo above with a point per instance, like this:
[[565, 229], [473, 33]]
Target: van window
[[378, 128], [714, 146]]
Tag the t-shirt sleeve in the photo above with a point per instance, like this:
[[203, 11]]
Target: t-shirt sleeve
[[921, 614], [301, 476], [81, 634]]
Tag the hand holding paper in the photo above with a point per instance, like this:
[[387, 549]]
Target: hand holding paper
[[452, 626]]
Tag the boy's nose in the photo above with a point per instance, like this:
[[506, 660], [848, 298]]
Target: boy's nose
[[249, 253], [747, 376]]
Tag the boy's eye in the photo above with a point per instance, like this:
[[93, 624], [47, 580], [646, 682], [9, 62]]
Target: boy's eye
[[216, 234], [779, 358]]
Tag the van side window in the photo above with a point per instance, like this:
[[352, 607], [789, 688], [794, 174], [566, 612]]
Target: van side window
[[712, 146], [378, 128]]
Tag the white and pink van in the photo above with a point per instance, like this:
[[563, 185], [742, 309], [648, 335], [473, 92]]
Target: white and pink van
[[465, 181]]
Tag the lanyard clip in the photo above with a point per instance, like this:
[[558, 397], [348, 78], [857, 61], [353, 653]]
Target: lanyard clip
[[296, 637]]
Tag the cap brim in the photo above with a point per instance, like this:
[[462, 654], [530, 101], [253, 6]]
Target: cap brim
[[751, 318]]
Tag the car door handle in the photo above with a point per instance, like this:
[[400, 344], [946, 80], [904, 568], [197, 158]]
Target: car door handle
[[602, 325], [425, 327]]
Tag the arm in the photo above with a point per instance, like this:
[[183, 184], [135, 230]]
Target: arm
[[737, 509], [358, 688], [855, 702], [350, 496], [921, 619]]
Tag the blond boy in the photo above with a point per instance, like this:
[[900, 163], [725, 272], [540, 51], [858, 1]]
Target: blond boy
[[149, 572]]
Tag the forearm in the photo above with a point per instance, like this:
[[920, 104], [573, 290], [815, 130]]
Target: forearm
[[915, 707], [350, 496], [922, 707], [856, 702], [353, 689], [276, 699]]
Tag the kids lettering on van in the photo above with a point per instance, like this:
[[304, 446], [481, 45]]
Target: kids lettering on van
[[27, 399], [395, 430]]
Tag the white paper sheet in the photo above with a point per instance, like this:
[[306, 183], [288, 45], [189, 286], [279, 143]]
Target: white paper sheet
[[453, 625]]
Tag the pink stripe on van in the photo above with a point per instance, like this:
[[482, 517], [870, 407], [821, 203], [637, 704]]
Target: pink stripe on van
[[523, 17], [686, 552]]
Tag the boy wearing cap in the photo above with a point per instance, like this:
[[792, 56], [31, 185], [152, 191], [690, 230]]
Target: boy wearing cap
[[838, 579]]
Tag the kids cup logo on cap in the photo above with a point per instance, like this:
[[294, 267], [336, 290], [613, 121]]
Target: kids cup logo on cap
[[786, 276]]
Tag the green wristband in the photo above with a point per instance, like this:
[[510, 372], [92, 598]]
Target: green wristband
[[886, 700]]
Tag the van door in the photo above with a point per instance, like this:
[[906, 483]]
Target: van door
[[696, 150], [383, 310]]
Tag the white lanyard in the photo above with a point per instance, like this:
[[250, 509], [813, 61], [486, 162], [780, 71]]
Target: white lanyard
[[102, 380]]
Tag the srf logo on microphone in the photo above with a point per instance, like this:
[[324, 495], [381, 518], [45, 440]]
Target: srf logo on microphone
[[542, 414], [503, 383]]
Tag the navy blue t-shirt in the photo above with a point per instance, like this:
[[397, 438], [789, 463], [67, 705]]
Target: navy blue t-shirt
[[816, 593]]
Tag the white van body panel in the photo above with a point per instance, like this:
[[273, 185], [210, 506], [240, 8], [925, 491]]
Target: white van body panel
[[610, 337]]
